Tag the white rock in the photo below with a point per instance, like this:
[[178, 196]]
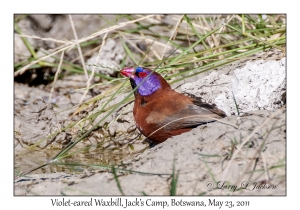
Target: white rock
[[258, 85]]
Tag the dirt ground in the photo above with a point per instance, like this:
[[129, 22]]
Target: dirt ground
[[201, 159], [241, 155]]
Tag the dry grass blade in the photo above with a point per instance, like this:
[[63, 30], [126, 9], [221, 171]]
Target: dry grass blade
[[78, 47], [40, 38], [148, 40], [112, 28], [93, 70], [173, 35], [259, 151], [190, 117], [72, 44], [23, 69], [192, 39], [224, 175], [257, 39], [56, 74]]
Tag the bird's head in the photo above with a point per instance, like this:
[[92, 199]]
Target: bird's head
[[146, 80]]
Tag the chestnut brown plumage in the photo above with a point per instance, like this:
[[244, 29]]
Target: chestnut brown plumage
[[161, 112]]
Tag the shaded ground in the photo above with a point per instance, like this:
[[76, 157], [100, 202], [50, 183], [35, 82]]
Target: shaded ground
[[207, 158], [200, 157]]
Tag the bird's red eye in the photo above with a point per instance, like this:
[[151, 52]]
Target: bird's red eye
[[142, 74]]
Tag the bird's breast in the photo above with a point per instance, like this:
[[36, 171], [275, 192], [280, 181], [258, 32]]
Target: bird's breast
[[147, 116]]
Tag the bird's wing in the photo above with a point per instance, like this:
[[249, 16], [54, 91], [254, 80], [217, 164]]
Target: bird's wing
[[192, 116], [210, 107]]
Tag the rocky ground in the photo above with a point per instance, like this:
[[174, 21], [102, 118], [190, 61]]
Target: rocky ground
[[246, 151], [202, 160], [241, 155]]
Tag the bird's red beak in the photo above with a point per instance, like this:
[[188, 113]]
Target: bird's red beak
[[128, 72]]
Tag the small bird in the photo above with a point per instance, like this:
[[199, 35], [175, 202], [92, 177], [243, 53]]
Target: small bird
[[161, 112]]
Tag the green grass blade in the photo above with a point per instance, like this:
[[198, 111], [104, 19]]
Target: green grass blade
[[117, 180], [174, 181]]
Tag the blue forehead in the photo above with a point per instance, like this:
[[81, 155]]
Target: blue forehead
[[139, 69]]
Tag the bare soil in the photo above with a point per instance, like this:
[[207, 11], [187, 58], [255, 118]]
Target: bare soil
[[208, 160]]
